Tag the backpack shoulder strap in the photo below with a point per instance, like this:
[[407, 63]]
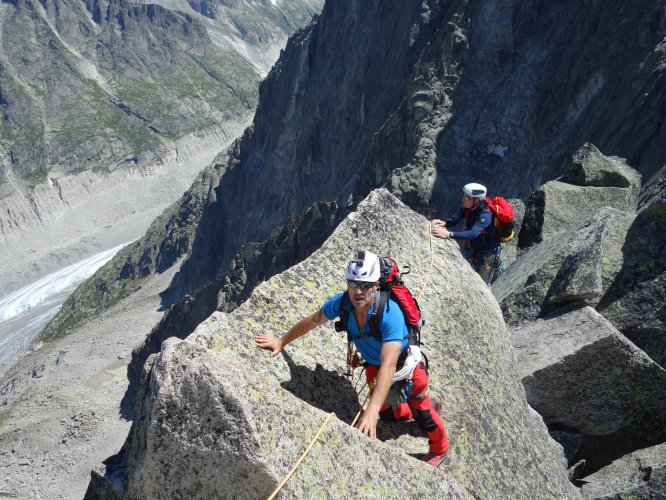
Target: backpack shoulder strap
[[341, 324], [376, 318]]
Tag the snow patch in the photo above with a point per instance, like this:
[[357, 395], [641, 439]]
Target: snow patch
[[56, 283], [496, 149]]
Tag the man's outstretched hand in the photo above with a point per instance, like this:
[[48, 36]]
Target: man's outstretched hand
[[268, 342], [368, 423]]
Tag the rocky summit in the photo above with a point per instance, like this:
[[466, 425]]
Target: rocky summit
[[217, 414], [585, 305], [610, 258]]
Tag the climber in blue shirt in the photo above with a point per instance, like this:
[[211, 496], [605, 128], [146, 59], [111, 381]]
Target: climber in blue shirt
[[384, 365], [392, 326]]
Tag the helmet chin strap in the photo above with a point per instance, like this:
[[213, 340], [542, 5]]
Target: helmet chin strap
[[375, 297]]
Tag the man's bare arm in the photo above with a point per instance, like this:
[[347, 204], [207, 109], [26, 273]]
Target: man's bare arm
[[389, 360], [298, 330]]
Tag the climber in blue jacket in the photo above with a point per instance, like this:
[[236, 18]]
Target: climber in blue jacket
[[480, 239]]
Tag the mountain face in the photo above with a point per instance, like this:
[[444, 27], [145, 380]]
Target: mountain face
[[423, 98], [109, 109], [118, 78], [420, 99], [100, 84]]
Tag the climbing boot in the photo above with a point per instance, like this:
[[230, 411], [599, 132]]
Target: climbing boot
[[433, 459], [437, 404]]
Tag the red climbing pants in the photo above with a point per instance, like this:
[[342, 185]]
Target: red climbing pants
[[419, 407]]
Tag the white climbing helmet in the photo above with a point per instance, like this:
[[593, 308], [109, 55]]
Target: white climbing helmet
[[475, 190], [363, 266]]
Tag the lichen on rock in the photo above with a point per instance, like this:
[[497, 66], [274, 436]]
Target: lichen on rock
[[499, 446]]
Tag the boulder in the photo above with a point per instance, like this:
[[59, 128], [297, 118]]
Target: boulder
[[575, 266], [231, 411], [635, 302], [581, 374], [218, 429], [562, 206], [589, 167], [641, 474], [579, 277]]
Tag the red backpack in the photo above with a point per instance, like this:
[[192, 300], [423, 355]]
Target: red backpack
[[504, 218], [391, 282]]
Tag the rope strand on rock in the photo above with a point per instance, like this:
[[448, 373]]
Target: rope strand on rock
[[432, 253], [361, 410], [298, 462]]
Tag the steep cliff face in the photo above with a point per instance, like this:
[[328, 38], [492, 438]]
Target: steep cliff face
[[423, 98], [336, 84]]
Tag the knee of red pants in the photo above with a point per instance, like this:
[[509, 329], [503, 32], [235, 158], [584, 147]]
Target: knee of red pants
[[402, 412], [388, 414], [432, 424], [425, 415], [439, 443]]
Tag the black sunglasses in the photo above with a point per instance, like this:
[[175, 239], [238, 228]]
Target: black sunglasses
[[363, 284]]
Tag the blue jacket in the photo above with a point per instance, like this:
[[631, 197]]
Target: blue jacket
[[479, 227]]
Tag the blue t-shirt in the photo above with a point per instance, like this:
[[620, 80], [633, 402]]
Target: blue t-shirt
[[392, 327]]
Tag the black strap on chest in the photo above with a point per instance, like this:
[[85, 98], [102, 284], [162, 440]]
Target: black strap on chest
[[373, 323], [472, 216], [383, 304]]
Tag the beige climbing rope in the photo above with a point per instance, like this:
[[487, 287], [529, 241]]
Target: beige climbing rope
[[361, 410], [298, 462], [432, 254]]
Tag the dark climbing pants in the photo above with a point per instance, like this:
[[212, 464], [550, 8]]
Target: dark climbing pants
[[485, 263]]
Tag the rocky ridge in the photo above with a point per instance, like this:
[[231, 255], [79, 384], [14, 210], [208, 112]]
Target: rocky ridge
[[586, 308], [498, 444]]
